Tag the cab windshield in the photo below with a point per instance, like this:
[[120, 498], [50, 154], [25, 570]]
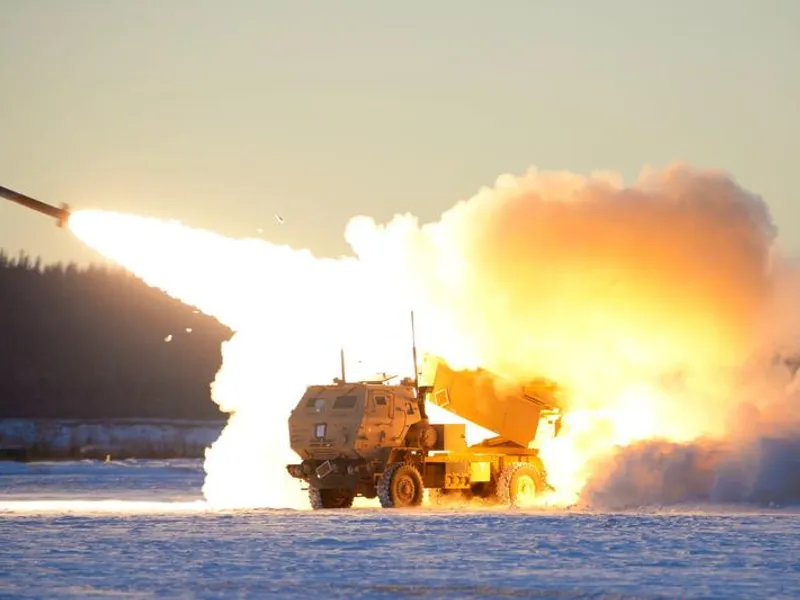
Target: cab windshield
[[319, 403]]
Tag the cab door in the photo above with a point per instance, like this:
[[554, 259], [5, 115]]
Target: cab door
[[381, 407]]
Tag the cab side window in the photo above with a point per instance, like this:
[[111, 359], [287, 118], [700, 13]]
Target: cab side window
[[316, 403]]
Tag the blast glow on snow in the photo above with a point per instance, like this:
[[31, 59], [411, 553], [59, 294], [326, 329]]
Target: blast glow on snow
[[650, 304]]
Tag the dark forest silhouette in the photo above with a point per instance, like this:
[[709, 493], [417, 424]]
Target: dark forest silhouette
[[90, 343]]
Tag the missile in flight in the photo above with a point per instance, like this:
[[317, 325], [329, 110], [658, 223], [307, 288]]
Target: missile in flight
[[60, 214]]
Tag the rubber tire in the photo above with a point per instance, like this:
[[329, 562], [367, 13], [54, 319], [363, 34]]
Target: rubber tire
[[330, 498], [389, 492], [507, 483]]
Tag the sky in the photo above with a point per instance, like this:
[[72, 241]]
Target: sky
[[222, 114]]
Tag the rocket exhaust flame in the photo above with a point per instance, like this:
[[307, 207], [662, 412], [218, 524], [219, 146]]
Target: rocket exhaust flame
[[651, 304]]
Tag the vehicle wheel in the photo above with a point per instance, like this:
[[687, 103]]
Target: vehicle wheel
[[400, 486], [330, 498], [519, 484]]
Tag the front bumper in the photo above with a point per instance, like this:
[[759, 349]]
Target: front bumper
[[337, 473]]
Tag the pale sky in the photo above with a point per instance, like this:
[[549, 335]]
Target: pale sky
[[221, 114]]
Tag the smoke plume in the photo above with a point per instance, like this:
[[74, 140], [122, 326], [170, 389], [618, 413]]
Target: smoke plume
[[657, 307]]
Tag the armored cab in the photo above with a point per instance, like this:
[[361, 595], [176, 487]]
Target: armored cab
[[353, 421], [343, 432]]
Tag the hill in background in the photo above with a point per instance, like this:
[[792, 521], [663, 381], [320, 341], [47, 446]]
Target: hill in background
[[98, 343]]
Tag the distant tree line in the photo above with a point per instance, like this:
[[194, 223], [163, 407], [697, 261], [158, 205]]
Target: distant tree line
[[98, 343]]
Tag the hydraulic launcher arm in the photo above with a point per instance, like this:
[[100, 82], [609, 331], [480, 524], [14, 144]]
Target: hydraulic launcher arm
[[481, 397]]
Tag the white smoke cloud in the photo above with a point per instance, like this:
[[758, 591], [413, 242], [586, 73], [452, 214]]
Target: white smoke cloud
[[647, 301]]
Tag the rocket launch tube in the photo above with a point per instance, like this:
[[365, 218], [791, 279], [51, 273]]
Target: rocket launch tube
[[60, 214]]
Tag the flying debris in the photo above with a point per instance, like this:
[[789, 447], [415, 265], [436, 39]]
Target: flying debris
[[61, 215], [279, 218]]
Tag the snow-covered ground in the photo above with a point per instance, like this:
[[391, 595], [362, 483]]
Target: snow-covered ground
[[139, 529]]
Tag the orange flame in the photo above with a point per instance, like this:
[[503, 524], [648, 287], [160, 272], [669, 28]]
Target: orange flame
[[643, 302]]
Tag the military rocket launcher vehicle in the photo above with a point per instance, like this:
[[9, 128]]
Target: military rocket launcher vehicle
[[372, 439]]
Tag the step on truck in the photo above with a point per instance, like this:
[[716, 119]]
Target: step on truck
[[374, 440]]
